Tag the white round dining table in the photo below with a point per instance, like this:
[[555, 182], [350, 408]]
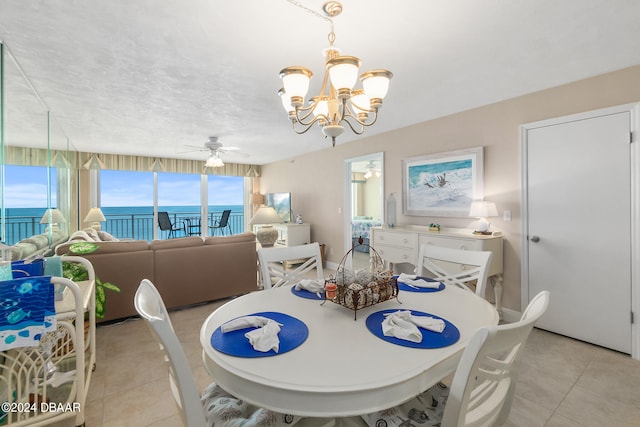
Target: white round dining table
[[341, 369]]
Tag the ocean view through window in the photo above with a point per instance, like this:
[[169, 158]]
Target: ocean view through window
[[128, 204], [26, 192]]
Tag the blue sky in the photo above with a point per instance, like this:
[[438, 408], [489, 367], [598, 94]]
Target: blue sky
[[26, 187]]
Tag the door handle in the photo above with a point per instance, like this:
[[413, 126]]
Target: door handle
[[535, 239]]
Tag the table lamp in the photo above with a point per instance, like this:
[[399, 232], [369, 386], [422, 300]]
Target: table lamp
[[483, 210], [266, 216], [95, 217], [53, 217]]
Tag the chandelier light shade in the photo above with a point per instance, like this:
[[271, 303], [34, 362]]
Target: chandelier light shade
[[338, 105]]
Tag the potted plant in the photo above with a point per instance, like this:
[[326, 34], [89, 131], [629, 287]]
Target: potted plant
[[78, 272]]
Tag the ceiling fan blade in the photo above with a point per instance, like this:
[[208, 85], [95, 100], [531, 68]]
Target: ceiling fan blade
[[224, 148]]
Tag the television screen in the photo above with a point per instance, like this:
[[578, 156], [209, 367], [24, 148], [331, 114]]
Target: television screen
[[281, 202]]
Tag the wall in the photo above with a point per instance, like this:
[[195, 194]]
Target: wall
[[317, 192]]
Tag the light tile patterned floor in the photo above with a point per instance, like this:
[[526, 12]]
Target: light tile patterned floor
[[562, 383]]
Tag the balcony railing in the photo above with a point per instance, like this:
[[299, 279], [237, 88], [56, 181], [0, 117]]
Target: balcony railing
[[125, 226]]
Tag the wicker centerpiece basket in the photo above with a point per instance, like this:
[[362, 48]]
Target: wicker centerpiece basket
[[357, 289]]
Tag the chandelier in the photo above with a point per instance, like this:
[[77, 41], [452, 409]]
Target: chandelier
[[338, 104]]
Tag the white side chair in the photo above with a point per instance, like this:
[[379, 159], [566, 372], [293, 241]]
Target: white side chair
[[274, 262], [455, 266], [215, 406], [484, 383]]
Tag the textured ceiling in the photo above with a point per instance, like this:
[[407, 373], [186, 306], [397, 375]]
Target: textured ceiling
[[148, 77]]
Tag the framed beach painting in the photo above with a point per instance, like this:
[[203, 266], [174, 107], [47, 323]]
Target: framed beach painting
[[442, 184]]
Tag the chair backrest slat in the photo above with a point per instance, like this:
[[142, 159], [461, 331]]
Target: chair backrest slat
[[455, 266], [288, 265]]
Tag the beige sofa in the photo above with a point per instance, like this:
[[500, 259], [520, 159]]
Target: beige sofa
[[41, 244], [185, 270]]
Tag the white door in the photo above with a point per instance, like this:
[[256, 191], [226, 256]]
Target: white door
[[579, 226]]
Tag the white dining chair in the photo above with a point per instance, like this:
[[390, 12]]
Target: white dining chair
[[215, 406], [483, 385], [455, 266], [288, 265]]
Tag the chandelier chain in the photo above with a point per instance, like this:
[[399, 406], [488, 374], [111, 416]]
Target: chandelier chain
[[313, 12]]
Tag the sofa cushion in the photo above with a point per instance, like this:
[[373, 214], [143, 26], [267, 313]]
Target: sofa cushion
[[182, 242], [40, 241], [22, 250], [223, 240]]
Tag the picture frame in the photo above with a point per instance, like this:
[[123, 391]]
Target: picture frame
[[443, 184]]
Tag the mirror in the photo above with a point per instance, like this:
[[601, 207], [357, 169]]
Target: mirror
[[364, 204]]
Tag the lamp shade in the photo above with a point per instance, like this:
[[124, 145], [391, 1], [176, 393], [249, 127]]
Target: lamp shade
[[482, 209], [95, 215], [53, 217], [266, 215], [257, 199]]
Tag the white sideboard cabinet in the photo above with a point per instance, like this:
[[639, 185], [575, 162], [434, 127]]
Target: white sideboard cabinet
[[290, 234], [401, 244]]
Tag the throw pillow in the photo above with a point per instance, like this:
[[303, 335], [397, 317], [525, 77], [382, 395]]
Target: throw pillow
[[106, 237]]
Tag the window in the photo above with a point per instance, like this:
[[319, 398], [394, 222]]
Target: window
[[226, 192], [127, 201], [26, 198]]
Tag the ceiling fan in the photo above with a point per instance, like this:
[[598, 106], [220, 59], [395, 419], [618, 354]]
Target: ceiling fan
[[216, 149]]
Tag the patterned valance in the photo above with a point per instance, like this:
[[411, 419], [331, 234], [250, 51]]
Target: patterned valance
[[77, 160]]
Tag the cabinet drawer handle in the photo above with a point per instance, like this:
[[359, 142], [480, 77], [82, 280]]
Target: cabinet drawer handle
[[381, 237], [463, 247], [405, 256], [405, 240]]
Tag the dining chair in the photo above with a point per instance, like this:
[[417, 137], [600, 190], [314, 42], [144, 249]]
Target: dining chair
[[287, 265], [222, 223], [456, 267], [483, 385], [165, 224], [215, 406]]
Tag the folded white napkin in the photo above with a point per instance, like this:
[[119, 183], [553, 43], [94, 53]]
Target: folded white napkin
[[397, 325], [264, 338], [412, 280], [244, 322], [310, 285], [428, 322], [402, 324]]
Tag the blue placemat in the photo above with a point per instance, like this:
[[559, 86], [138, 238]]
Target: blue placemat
[[303, 293], [293, 333], [404, 287], [430, 339]]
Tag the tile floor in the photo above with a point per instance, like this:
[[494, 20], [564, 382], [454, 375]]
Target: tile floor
[[562, 383]]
